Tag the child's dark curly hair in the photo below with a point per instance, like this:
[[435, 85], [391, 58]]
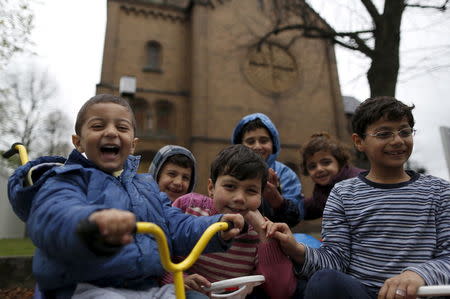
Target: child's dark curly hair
[[323, 142], [239, 162], [373, 109]]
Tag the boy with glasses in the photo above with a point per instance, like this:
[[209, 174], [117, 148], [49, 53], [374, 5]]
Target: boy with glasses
[[387, 231]]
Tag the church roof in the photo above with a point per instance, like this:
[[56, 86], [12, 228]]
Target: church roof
[[185, 5]]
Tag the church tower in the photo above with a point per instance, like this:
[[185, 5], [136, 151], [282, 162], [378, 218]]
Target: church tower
[[198, 67]]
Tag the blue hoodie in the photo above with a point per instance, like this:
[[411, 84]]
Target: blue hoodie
[[70, 194], [291, 212]]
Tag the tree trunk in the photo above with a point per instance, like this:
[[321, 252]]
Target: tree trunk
[[383, 71]]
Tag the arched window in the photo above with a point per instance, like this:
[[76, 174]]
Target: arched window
[[261, 4], [154, 56], [142, 112], [163, 112]]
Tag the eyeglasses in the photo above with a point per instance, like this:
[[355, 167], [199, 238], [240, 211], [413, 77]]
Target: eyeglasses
[[385, 135]]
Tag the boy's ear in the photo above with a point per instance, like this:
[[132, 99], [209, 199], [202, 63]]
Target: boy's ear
[[358, 142], [133, 145], [210, 188], [76, 141]]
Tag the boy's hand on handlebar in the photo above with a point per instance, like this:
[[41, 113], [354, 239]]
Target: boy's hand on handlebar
[[116, 226], [197, 283], [404, 285], [238, 222]]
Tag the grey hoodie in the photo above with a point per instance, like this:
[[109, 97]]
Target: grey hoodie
[[164, 153]]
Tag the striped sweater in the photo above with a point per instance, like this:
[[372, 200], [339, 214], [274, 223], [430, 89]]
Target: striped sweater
[[375, 231], [246, 256]]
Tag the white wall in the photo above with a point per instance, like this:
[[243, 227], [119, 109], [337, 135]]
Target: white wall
[[10, 225]]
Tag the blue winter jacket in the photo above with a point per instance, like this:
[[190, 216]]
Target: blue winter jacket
[[291, 212], [71, 193]]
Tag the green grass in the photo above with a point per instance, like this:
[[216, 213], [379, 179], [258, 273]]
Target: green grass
[[14, 247]]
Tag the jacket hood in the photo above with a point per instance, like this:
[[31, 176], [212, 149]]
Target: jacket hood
[[167, 151], [20, 192], [236, 136]]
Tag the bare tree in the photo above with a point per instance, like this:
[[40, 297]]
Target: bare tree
[[27, 113], [378, 37], [56, 129], [16, 23]]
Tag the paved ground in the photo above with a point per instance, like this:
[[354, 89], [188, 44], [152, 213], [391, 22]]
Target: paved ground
[[16, 293]]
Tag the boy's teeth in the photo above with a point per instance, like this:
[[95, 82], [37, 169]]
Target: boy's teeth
[[110, 148], [395, 153]]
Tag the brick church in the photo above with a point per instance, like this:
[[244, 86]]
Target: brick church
[[193, 68]]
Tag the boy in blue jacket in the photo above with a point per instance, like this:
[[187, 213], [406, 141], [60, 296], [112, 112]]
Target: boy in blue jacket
[[103, 187], [282, 196]]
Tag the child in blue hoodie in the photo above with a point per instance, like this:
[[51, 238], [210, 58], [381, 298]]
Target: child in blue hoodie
[[99, 183], [282, 196]]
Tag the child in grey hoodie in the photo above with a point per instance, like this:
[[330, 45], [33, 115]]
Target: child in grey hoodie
[[173, 168]]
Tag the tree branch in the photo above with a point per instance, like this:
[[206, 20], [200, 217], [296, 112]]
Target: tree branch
[[442, 7], [357, 43], [372, 10]]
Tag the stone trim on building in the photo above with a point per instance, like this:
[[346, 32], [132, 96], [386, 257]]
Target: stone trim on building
[[182, 93], [147, 12]]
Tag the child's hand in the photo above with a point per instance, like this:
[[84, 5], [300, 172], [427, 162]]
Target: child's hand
[[404, 285], [290, 246], [272, 177], [272, 190], [255, 219], [116, 226], [238, 222], [258, 222], [197, 283]]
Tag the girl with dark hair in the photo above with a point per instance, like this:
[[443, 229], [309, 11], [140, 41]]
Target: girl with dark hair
[[326, 161]]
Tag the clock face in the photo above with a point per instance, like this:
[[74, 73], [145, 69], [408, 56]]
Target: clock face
[[271, 69]]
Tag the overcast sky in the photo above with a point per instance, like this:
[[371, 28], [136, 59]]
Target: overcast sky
[[69, 37]]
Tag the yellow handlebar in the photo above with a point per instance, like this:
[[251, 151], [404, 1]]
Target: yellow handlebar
[[177, 269], [23, 155], [17, 148]]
